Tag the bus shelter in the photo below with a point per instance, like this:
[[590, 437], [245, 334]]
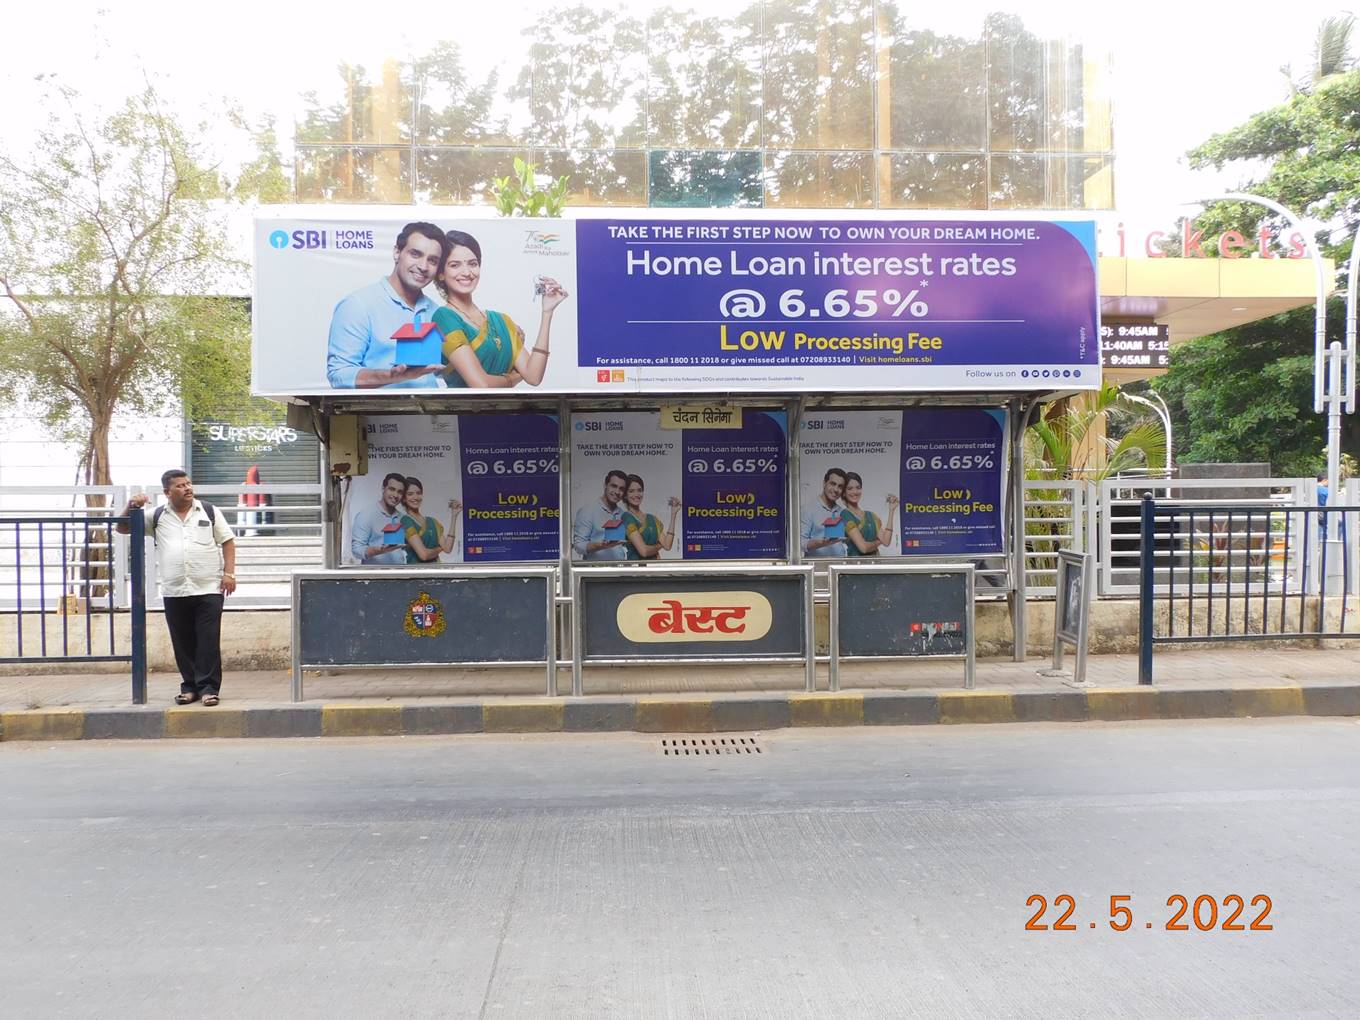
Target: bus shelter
[[674, 426]]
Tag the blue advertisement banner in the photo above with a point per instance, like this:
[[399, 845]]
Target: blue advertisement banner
[[641, 492], [455, 488], [920, 482], [433, 302], [510, 487]]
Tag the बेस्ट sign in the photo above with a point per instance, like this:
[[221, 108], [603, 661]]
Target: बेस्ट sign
[[716, 616], [652, 305]]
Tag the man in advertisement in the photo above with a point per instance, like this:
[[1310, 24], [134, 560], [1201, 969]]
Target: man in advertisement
[[361, 353], [597, 532], [377, 538], [821, 526]]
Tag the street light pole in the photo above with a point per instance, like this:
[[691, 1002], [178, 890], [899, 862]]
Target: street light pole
[[1327, 382]]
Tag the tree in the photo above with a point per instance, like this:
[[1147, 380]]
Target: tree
[[1057, 445], [1246, 393], [111, 266], [519, 194]]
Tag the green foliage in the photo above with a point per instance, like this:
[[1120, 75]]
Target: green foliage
[[519, 194], [111, 236], [1057, 446], [1247, 394]]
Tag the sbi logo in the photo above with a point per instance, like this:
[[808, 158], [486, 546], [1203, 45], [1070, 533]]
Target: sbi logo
[[299, 240]]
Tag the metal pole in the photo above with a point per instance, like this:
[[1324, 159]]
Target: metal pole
[[137, 526], [1351, 282], [833, 619], [1162, 412], [1145, 564], [1335, 555]]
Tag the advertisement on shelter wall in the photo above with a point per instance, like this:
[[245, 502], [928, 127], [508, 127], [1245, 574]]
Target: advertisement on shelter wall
[[471, 488], [641, 491], [426, 302], [922, 482]]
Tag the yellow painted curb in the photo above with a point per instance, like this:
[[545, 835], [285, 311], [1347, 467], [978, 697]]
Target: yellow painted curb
[[826, 709], [43, 724], [361, 720], [1120, 704], [668, 715], [1268, 701], [522, 717], [204, 722], [977, 707]]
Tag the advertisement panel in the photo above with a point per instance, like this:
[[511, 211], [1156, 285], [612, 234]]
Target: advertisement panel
[[427, 302], [467, 488], [644, 490], [925, 482]]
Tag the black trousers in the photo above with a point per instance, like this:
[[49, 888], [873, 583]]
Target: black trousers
[[195, 623]]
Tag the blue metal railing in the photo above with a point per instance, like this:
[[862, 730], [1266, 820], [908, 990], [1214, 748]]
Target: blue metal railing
[[79, 551], [1228, 573]]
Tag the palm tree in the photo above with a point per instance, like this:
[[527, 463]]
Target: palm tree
[[1057, 448], [1331, 54]]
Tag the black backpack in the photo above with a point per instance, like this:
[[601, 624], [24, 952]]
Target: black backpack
[[208, 509]]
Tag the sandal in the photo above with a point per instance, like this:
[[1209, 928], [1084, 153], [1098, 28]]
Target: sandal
[[209, 700], [186, 697]]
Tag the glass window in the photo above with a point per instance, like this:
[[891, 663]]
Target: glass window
[[819, 74], [704, 179], [1017, 182], [610, 177], [703, 86], [937, 92], [583, 82], [455, 104], [359, 108], [1080, 182], [819, 180], [1015, 82], [933, 180], [461, 176], [338, 174]]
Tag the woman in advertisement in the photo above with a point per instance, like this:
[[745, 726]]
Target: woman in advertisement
[[485, 349], [866, 533], [646, 537], [425, 538]]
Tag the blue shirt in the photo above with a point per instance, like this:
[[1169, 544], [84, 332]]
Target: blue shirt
[[361, 335], [368, 530], [816, 521], [591, 524]]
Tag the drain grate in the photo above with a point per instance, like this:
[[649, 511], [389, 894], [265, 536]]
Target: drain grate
[[689, 747]]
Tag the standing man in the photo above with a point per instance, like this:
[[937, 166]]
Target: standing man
[[196, 569], [597, 531], [821, 527], [361, 353], [372, 525]]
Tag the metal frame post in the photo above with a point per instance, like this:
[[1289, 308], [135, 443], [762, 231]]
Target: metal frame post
[[137, 527], [1145, 578]]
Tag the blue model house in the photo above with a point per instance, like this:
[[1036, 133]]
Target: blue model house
[[419, 344]]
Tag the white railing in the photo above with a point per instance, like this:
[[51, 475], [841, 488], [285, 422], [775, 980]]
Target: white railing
[[1119, 556], [271, 541], [1059, 514]]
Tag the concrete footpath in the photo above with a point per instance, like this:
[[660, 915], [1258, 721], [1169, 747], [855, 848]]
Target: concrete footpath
[[1235, 682]]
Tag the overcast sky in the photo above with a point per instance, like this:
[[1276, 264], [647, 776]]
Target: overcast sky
[[1182, 70]]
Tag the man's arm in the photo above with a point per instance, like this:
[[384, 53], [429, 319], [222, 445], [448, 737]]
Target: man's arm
[[229, 566], [359, 535], [580, 533], [137, 500], [806, 522], [351, 336]]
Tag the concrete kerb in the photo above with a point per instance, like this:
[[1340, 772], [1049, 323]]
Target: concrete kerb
[[652, 714]]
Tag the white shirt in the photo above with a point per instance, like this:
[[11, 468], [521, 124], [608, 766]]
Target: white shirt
[[189, 552]]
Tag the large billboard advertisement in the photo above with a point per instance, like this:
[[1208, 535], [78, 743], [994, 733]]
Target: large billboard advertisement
[[429, 302], [922, 482], [455, 488]]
